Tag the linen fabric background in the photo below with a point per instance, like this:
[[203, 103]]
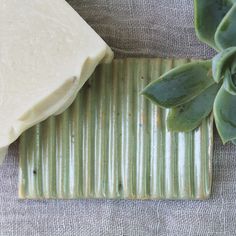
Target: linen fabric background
[[150, 28]]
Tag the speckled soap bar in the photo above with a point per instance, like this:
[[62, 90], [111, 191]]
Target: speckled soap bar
[[113, 143]]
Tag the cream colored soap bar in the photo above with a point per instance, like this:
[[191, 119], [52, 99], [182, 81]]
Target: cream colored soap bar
[[47, 52]]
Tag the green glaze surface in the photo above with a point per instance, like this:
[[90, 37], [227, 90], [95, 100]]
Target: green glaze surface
[[180, 85], [113, 143]]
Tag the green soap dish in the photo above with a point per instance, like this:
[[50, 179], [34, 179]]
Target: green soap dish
[[113, 143]]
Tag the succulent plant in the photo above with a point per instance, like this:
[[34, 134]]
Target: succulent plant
[[192, 91]]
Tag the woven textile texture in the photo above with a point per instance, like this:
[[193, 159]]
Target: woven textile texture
[[151, 28]]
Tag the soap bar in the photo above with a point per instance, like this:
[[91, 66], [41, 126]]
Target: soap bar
[[47, 52]]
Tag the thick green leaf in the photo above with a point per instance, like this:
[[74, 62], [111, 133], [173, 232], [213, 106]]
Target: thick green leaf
[[225, 36], [189, 116], [222, 61], [180, 85], [225, 115], [208, 15], [229, 82]]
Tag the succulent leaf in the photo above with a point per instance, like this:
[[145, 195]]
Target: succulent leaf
[[189, 115], [190, 90], [222, 61], [208, 15], [180, 85], [224, 114], [225, 36], [229, 82]]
